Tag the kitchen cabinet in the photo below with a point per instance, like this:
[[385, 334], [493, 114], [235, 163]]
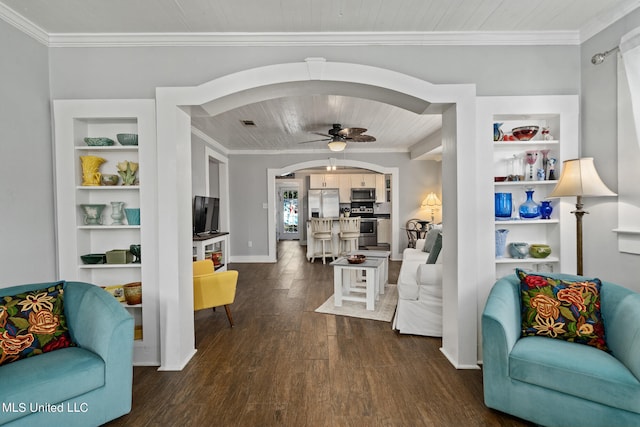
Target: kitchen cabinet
[[560, 115], [345, 182], [345, 188], [322, 181], [365, 180], [73, 121], [384, 230], [381, 188]]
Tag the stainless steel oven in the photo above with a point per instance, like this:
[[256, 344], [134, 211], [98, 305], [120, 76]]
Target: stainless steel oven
[[368, 232]]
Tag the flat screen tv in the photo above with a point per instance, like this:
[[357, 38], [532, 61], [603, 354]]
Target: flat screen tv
[[206, 215]]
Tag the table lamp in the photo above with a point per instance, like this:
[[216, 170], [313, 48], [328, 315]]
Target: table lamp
[[579, 179], [432, 202]]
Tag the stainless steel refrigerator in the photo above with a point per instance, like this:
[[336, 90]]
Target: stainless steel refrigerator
[[324, 203]]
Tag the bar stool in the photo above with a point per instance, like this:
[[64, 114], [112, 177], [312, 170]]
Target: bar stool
[[321, 231], [349, 233]]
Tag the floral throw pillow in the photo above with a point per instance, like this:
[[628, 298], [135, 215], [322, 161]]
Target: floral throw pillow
[[563, 309], [33, 323]]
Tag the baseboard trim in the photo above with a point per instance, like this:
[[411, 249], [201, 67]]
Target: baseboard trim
[[180, 366], [455, 363], [252, 259]]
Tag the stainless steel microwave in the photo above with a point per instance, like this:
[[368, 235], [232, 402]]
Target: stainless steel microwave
[[363, 194]]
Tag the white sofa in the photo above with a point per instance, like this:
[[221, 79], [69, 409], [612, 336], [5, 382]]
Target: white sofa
[[419, 310]]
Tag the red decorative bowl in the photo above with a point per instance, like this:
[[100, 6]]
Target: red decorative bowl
[[525, 133]]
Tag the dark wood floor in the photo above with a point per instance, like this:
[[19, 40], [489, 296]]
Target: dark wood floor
[[285, 365]]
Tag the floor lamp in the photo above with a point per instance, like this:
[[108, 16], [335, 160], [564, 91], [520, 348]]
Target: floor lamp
[[579, 179]]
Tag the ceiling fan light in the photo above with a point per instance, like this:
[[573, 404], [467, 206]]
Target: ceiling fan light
[[337, 145]]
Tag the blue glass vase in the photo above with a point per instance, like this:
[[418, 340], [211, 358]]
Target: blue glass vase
[[529, 209], [501, 242], [503, 205], [545, 209]]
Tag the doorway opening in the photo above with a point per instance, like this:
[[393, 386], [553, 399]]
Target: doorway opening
[[289, 210], [456, 103]]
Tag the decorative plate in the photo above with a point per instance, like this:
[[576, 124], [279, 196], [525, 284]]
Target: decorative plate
[[99, 142]]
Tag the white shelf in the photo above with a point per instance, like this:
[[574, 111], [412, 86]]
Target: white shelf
[[627, 231], [521, 144], [108, 148], [527, 260], [108, 187], [108, 227], [125, 305], [524, 183], [516, 221], [109, 266]]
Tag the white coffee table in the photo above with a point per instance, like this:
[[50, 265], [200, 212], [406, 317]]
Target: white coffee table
[[344, 283], [384, 268]]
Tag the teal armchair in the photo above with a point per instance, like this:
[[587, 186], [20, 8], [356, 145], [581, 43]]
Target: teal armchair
[[85, 385], [557, 383]]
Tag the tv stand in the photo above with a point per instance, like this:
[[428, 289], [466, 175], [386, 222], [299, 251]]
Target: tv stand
[[217, 241], [207, 236]]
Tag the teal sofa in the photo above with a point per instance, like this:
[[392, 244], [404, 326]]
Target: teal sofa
[[557, 383], [85, 385]]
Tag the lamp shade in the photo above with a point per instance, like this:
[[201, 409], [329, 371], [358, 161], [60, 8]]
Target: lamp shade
[[431, 200], [337, 145], [580, 178]]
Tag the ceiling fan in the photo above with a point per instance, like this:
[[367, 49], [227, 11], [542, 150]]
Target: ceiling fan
[[339, 136]]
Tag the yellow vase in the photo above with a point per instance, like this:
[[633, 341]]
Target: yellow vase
[[91, 169]]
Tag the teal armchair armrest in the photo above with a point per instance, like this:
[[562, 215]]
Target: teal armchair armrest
[[99, 323], [500, 331]]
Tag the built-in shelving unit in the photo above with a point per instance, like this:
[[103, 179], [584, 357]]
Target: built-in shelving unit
[[560, 115], [74, 120]]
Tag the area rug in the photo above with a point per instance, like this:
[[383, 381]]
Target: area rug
[[385, 307]]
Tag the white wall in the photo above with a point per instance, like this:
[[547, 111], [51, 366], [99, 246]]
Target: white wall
[[27, 248], [600, 141], [198, 178], [99, 73]]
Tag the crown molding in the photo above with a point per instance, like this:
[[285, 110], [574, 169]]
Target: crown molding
[[452, 38], [13, 18]]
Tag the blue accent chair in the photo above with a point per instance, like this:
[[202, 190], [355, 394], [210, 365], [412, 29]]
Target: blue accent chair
[[86, 385], [556, 383]]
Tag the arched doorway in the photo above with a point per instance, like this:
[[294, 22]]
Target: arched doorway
[[271, 195], [456, 103]]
